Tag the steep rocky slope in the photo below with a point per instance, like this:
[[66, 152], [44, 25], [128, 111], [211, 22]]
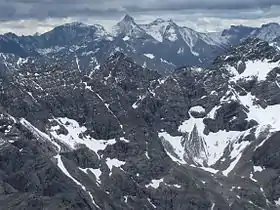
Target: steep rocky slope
[[125, 137]]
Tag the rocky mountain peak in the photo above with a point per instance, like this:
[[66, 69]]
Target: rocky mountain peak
[[85, 46], [268, 25], [10, 35], [267, 32], [78, 27], [75, 24], [127, 18], [237, 33], [127, 26], [172, 22], [157, 21], [240, 27]]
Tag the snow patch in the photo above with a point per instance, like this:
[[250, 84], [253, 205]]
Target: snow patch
[[212, 113], [153, 205], [22, 61], [155, 183], [177, 186], [258, 69], [77, 62], [277, 202], [175, 142], [215, 142], [124, 140], [156, 29], [148, 55], [125, 198], [257, 169], [171, 34], [39, 134], [165, 61], [138, 102], [236, 154], [210, 170], [198, 109], [114, 162], [65, 171], [252, 177], [267, 116], [191, 38], [213, 206], [97, 173], [147, 155], [126, 38], [108, 77], [215, 145], [180, 50], [75, 137]]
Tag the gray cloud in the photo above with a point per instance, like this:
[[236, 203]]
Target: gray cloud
[[43, 9]]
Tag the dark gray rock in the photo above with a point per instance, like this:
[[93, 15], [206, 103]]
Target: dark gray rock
[[130, 104]]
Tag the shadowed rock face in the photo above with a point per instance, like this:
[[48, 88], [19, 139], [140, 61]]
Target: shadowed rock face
[[267, 155], [194, 145], [125, 137]]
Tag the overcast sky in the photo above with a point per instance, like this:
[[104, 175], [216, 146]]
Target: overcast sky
[[30, 16]]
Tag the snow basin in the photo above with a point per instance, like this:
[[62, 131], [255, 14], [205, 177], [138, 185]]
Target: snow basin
[[258, 69]]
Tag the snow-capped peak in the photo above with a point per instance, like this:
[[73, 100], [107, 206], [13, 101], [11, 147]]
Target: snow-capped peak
[[96, 27], [161, 29], [127, 26]]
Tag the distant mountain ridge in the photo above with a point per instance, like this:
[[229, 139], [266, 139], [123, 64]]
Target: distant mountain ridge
[[161, 45]]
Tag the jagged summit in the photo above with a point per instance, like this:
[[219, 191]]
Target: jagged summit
[[238, 30], [10, 35], [78, 26], [127, 26], [75, 24], [236, 34], [158, 21], [128, 18], [267, 32], [273, 24]]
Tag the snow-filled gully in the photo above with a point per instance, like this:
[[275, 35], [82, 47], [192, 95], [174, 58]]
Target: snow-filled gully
[[72, 139]]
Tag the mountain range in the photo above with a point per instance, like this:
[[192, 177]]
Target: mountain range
[[86, 128], [161, 45]]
